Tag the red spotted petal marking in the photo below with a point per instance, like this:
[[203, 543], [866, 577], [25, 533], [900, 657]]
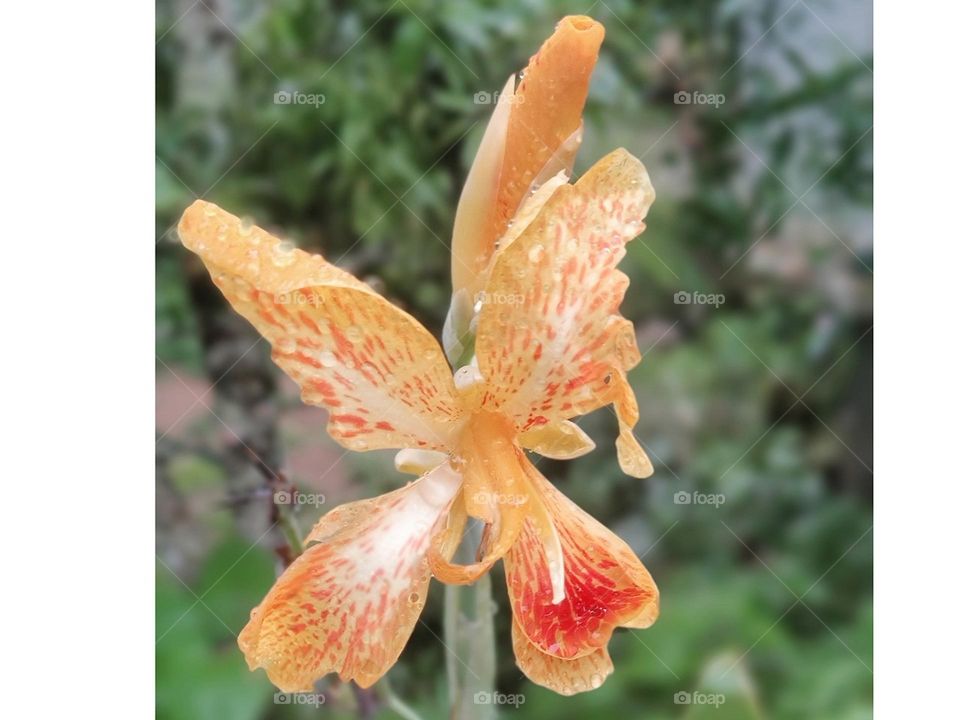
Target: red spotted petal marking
[[377, 370], [550, 333], [349, 603]]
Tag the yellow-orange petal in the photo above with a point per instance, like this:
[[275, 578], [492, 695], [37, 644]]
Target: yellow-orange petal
[[472, 241], [541, 121], [551, 337], [605, 584], [349, 603], [632, 457], [560, 440], [563, 676], [495, 490], [379, 372]]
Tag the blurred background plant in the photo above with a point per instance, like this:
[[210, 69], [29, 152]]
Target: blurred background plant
[[751, 293]]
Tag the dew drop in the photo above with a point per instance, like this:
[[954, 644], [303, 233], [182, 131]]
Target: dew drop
[[414, 598], [536, 253], [466, 377], [328, 359], [246, 226], [283, 253], [354, 334]]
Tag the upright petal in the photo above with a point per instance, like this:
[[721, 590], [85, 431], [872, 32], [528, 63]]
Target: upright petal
[[379, 372], [605, 583], [534, 128], [349, 603], [551, 349]]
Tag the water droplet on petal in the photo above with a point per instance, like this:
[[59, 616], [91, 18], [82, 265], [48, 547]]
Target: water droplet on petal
[[467, 376], [354, 334], [283, 253], [328, 359], [536, 253]]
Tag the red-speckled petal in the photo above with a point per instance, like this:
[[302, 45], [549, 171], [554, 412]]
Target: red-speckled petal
[[349, 603], [550, 336], [605, 584], [567, 677], [379, 372]]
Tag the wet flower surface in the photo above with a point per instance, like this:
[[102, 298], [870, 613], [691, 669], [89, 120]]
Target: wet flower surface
[[535, 323]]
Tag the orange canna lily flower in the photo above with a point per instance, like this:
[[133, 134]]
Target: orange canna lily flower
[[548, 344]]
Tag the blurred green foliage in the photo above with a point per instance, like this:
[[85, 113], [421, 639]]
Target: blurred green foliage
[[765, 399]]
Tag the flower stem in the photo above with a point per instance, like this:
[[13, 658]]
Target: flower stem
[[469, 641]]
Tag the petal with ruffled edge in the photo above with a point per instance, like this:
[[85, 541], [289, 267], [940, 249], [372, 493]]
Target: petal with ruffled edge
[[533, 130], [567, 677], [379, 372], [551, 341], [349, 603], [605, 583]]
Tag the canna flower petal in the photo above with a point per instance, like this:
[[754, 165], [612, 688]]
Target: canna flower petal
[[605, 584], [350, 601], [379, 372], [567, 677], [533, 128], [561, 440], [550, 340], [495, 490]]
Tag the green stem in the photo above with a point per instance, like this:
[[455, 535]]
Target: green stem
[[394, 702], [291, 530], [469, 640]]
